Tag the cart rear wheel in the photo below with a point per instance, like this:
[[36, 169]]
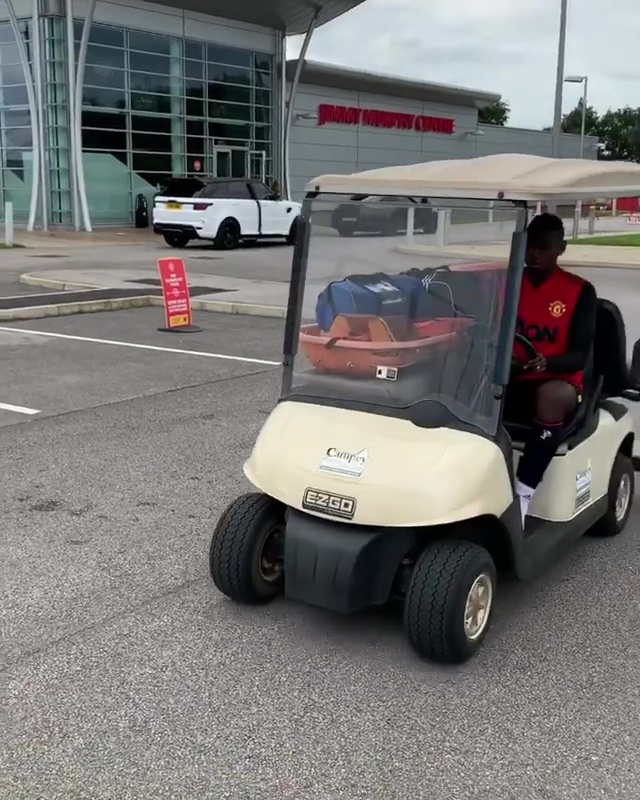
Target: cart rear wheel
[[448, 605], [620, 499], [246, 556]]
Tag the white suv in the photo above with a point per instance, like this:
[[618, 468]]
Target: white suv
[[225, 211]]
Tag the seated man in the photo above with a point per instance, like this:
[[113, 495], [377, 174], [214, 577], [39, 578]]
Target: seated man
[[557, 314]]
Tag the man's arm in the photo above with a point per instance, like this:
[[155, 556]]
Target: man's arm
[[581, 334]]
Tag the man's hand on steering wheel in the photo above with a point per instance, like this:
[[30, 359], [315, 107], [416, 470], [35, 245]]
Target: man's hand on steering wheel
[[535, 363]]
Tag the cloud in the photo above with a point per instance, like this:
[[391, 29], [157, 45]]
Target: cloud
[[500, 46]]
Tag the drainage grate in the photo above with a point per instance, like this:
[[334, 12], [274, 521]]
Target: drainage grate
[[49, 255]]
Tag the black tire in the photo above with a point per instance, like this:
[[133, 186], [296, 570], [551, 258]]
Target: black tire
[[176, 239], [236, 553], [614, 520], [228, 236], [345, 228], [292, 235], [436, 599]]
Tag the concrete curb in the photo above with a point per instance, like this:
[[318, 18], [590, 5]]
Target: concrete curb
[[62, 309], [65, 309], [566, 262]]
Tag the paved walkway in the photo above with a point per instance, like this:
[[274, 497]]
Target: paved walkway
[[576, 255]]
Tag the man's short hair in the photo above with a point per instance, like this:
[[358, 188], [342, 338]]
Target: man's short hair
[[545, 229]]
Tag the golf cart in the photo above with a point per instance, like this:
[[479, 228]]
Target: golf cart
[[386, 470]]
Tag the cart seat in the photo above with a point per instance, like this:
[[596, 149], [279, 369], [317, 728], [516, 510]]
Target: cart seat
[[606, 376]]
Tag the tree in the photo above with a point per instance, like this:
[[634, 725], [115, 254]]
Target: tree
[[495, 114], [617, 129]]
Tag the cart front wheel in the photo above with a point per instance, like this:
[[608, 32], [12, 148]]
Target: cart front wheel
[[246, 556], [448, 605], [620, 499]]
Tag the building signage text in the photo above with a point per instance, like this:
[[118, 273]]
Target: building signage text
[[376, 118]]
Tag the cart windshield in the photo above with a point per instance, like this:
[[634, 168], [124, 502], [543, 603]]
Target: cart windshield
[[399, 309]]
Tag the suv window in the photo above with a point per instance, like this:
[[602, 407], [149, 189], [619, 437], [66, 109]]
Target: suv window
[[239, 190], [261, 191], [215, 189]]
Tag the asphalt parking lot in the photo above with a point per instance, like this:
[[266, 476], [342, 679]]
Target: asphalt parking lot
[[127, 676]]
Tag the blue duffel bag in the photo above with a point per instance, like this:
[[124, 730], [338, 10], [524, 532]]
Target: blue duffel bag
[[374, 295]]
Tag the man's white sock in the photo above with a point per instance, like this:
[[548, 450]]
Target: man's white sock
[[524, 495]]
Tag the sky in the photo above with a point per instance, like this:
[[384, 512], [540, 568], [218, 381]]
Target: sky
[[505, 46]]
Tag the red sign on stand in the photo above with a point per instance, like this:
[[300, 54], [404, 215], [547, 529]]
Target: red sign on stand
[[175, 291]]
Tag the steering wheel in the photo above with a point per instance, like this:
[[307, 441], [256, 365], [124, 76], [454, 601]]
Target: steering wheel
[[518, 364]]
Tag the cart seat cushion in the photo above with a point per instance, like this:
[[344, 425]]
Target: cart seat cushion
[[610, 350]]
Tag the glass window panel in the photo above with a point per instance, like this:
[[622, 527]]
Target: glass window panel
[[193, 88], [263, 61], [10, 54], [263, 132], [103, 98], [194, 50], [151, 103], [19, 138], [144, 62], [195, 127], [15, 96], [229, 111], [104, 56], [195, 107], [6, 34], [109, 140], [151, 142], [140, 122], [104, 76], [230, 94], [263, 97], [152, 163], [194, 69], [11, 75], [101, 119], [224, 74], [17, 119], [263, 80], [149, 42], [262, 115], [102, 34], [224, 130], [140, 81], [217, 54]]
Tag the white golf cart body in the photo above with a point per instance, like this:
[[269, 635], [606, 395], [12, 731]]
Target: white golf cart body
[[337, 457]]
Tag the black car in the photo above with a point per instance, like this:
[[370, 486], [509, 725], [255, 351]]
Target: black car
[[378, 215]]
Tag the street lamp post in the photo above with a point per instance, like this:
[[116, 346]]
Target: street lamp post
[[584, 81], [557, 114], [583, 125]]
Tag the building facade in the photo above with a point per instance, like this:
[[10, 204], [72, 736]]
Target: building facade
[[349, 120], [160, 90]]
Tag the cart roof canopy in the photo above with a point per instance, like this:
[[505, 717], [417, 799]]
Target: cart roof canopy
[[508, 176]]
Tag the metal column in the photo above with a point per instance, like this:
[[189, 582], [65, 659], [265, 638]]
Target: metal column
[[71, 78], [288, 119], [36, 40], [77, 114], [33, 113]]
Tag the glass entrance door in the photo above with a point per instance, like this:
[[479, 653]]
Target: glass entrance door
[[229, 162]]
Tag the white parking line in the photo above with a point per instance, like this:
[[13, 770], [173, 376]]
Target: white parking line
[[155, 348], [18, 409]]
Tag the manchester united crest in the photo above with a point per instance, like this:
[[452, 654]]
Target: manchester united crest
[[557, 308]]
